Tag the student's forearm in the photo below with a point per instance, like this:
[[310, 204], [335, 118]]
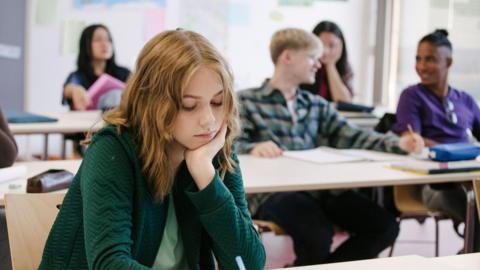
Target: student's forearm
[[8, 147], [8, 150], [338, 89], [202, 172], [68, 91]]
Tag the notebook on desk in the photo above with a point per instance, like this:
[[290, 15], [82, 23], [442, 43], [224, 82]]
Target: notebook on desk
[[432, 167], [16, 117]]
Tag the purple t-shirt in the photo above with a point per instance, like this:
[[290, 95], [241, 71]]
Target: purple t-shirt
[[425, 112]]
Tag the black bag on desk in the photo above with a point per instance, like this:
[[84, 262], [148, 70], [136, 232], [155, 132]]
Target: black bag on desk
[[353, 107], [50, 180]]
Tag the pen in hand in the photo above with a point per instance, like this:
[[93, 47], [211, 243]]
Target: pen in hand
[[410, 131]]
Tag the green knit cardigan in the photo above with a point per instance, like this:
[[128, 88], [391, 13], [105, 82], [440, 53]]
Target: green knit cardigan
[[110, 220]]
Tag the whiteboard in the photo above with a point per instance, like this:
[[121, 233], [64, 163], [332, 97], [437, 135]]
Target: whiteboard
[[240, 29]]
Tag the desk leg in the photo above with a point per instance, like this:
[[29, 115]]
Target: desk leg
[[471, 219], [64, 146], [45, 147]]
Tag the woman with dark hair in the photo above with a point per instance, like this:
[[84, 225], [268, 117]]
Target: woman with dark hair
[[96, 57], [334, 79], [440, 113]]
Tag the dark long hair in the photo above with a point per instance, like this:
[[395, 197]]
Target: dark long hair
[[331, 27], [438, 38], [85, 55]]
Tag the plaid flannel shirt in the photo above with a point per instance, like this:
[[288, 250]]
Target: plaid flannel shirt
[[265, 116]]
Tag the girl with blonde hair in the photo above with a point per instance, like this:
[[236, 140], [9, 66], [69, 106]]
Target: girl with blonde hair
[[160, 187]]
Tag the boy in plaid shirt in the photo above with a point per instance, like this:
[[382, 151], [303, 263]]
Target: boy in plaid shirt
[[279, 116]]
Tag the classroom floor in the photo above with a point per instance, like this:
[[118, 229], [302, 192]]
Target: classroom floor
[[414, 238]]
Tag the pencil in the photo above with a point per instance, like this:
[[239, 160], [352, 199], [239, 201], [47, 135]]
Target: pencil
[[410, 130]]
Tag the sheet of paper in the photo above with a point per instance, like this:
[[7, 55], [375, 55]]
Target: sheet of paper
[[10, 51], [322, 155], [13, 173], [372, 155]]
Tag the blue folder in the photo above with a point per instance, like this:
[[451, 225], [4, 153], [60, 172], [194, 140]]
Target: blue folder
[[25, 117]]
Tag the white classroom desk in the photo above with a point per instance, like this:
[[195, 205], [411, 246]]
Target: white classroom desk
[[287, 174], [34, 168], [68, 122], [465, 261], [412, 262]]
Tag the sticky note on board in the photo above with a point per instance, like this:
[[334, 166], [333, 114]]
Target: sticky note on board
[[71, 31], [46, 12]]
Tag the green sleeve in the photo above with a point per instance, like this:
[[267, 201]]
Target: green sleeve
[[107, 189], [224, 214]]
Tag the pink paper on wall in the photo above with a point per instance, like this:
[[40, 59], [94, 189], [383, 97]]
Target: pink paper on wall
[[154, 21], [101, 86]]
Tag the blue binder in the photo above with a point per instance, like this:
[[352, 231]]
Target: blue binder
[[16, 117]]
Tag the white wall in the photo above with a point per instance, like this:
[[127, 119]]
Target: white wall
[[462, 20], [245, 46], [241, 29]]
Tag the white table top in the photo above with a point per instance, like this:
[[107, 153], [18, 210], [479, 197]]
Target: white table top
[[465, 261], [286, 174], [412, 262], [68, 122], [34, 168]]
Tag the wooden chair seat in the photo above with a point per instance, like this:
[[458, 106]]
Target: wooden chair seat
[[29, 220]]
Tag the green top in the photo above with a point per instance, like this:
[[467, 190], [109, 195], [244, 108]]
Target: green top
[[171, 255], [110, 220]]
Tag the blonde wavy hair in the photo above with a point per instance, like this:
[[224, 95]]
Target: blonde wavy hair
[[153, 97], [294, 39]]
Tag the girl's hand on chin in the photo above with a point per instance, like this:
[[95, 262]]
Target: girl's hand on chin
[[199, 161]]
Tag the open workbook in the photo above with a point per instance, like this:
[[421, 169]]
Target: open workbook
[[434, 167], [325, 155]]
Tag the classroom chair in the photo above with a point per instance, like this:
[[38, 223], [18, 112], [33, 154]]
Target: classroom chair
[[476, 187], [408, 201], [267, 226], [29, 220]]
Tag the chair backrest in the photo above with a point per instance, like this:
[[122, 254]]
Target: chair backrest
[[29, 220], [476, 186], [408, 199], [385, 123]]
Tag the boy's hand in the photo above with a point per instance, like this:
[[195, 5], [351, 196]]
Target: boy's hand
[[267, 149]]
